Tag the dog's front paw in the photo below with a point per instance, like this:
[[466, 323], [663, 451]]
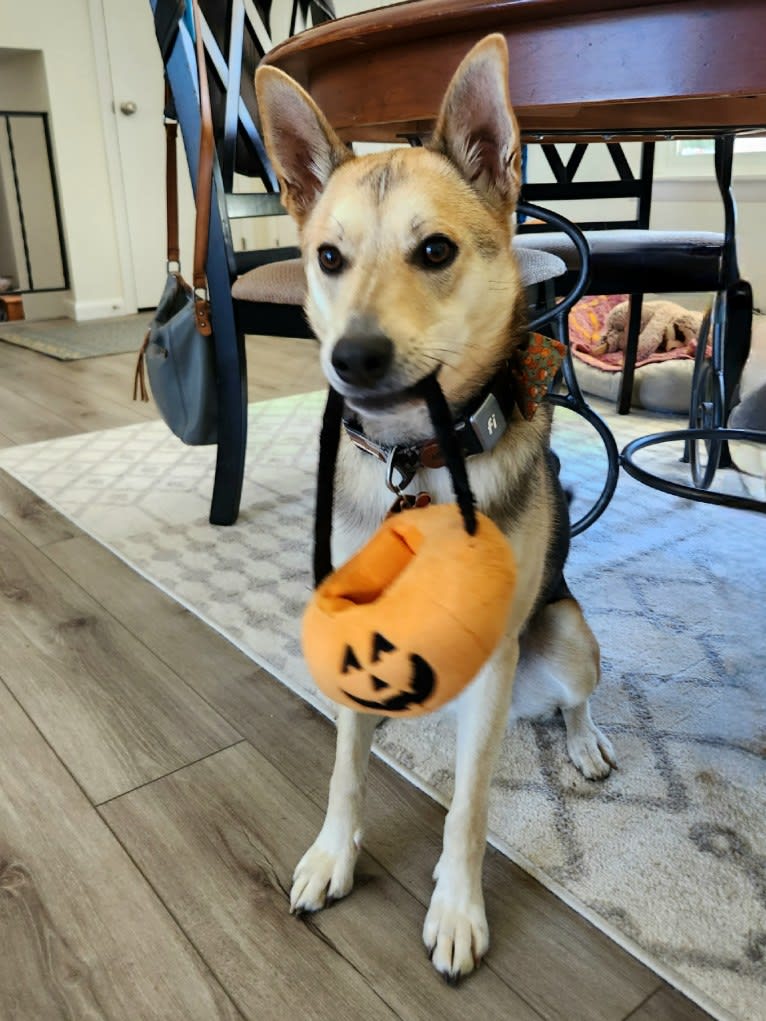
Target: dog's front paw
[[589, 748], [592, 753], [325, 873], [455, 933]]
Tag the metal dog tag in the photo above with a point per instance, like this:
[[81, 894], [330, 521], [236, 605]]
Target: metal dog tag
[[488, 422]]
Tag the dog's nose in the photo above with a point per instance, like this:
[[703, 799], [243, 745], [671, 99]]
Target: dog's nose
[[363, 360]]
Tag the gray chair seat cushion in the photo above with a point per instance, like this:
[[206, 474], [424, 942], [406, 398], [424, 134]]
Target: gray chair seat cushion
[[284, 283], [639, 261], [537, 265], [621, 242]]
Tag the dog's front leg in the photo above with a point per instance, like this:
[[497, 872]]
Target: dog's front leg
[[455, 931], [326, 871]]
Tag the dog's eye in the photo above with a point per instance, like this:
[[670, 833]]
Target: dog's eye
[[436, 252], [330, 259]]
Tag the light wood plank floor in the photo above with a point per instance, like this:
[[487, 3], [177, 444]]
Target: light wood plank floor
[[156, 789]]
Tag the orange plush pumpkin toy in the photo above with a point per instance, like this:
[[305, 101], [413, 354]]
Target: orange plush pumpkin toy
[[407, 622], [404, 625]]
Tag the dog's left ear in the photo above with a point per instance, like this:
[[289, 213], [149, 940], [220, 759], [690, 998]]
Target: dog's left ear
[[302, 146], [477, 129]]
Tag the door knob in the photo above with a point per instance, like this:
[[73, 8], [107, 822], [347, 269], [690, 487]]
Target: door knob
[[128, 108]]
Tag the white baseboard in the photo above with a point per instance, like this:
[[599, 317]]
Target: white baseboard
[[103, 309]]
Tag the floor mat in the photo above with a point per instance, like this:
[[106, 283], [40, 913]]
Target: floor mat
[[668, 855], [68, 340]]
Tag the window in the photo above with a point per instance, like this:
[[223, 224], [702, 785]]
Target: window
[[693, 158], [706, 146]]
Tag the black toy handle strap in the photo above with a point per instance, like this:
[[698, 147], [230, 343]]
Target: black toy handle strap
[[329, 440], [444, 427]]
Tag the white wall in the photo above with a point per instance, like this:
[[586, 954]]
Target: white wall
[[22, 79], [60, 30]]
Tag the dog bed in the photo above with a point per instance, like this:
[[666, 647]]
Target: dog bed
[[663, 378], [750, 413]]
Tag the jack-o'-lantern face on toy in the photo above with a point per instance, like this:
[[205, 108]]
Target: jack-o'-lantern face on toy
[[392, 680]]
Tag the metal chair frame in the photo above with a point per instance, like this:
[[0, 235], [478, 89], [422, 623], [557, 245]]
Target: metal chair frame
[[715, 380], [573, 399]]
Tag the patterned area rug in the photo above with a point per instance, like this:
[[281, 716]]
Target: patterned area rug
[[669, 854], [69, 341]]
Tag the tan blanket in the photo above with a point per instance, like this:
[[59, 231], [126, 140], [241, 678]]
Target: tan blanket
[[668, 331]]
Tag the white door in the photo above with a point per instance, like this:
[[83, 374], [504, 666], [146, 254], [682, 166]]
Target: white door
[[135, 70]]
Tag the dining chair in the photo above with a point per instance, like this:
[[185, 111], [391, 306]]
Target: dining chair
[[235, 36], [260, 291], [627, 256]]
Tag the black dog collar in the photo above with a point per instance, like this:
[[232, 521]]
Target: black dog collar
[[441, 420], [478, 429], [522, 381]]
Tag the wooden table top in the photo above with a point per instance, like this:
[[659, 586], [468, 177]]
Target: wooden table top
[[578, 68]]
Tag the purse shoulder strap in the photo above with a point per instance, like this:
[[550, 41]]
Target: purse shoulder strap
[[204, 193], [204, 184], [171, 182], [171, 212]]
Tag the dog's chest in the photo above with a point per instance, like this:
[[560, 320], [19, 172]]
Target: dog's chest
[[364, 499]]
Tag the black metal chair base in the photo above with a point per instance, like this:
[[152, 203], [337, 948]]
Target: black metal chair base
[[582, 409], [574, 399], [679, 489]]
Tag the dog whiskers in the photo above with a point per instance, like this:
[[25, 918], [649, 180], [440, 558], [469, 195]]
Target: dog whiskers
[[451, 365], [439, 361]]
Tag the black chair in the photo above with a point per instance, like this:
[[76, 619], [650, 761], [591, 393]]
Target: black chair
[[626, 256], [252, 292], [235, 35], [715, 383]]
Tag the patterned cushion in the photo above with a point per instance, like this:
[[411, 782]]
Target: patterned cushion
[[280, 283]]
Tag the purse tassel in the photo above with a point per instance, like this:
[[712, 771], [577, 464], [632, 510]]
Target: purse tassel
[[139, 379]]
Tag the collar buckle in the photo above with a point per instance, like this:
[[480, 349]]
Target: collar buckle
[[397, 461]]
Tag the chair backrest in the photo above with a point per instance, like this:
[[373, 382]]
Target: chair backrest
[[564, 187], [236, 34]]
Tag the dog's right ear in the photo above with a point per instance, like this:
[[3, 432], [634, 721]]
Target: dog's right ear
[[302, 146], [477, 128]]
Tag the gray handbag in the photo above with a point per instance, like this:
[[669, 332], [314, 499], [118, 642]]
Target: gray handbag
[[178, 351], [180, 362]]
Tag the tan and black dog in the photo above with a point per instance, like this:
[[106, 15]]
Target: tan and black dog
[[409, 267]]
